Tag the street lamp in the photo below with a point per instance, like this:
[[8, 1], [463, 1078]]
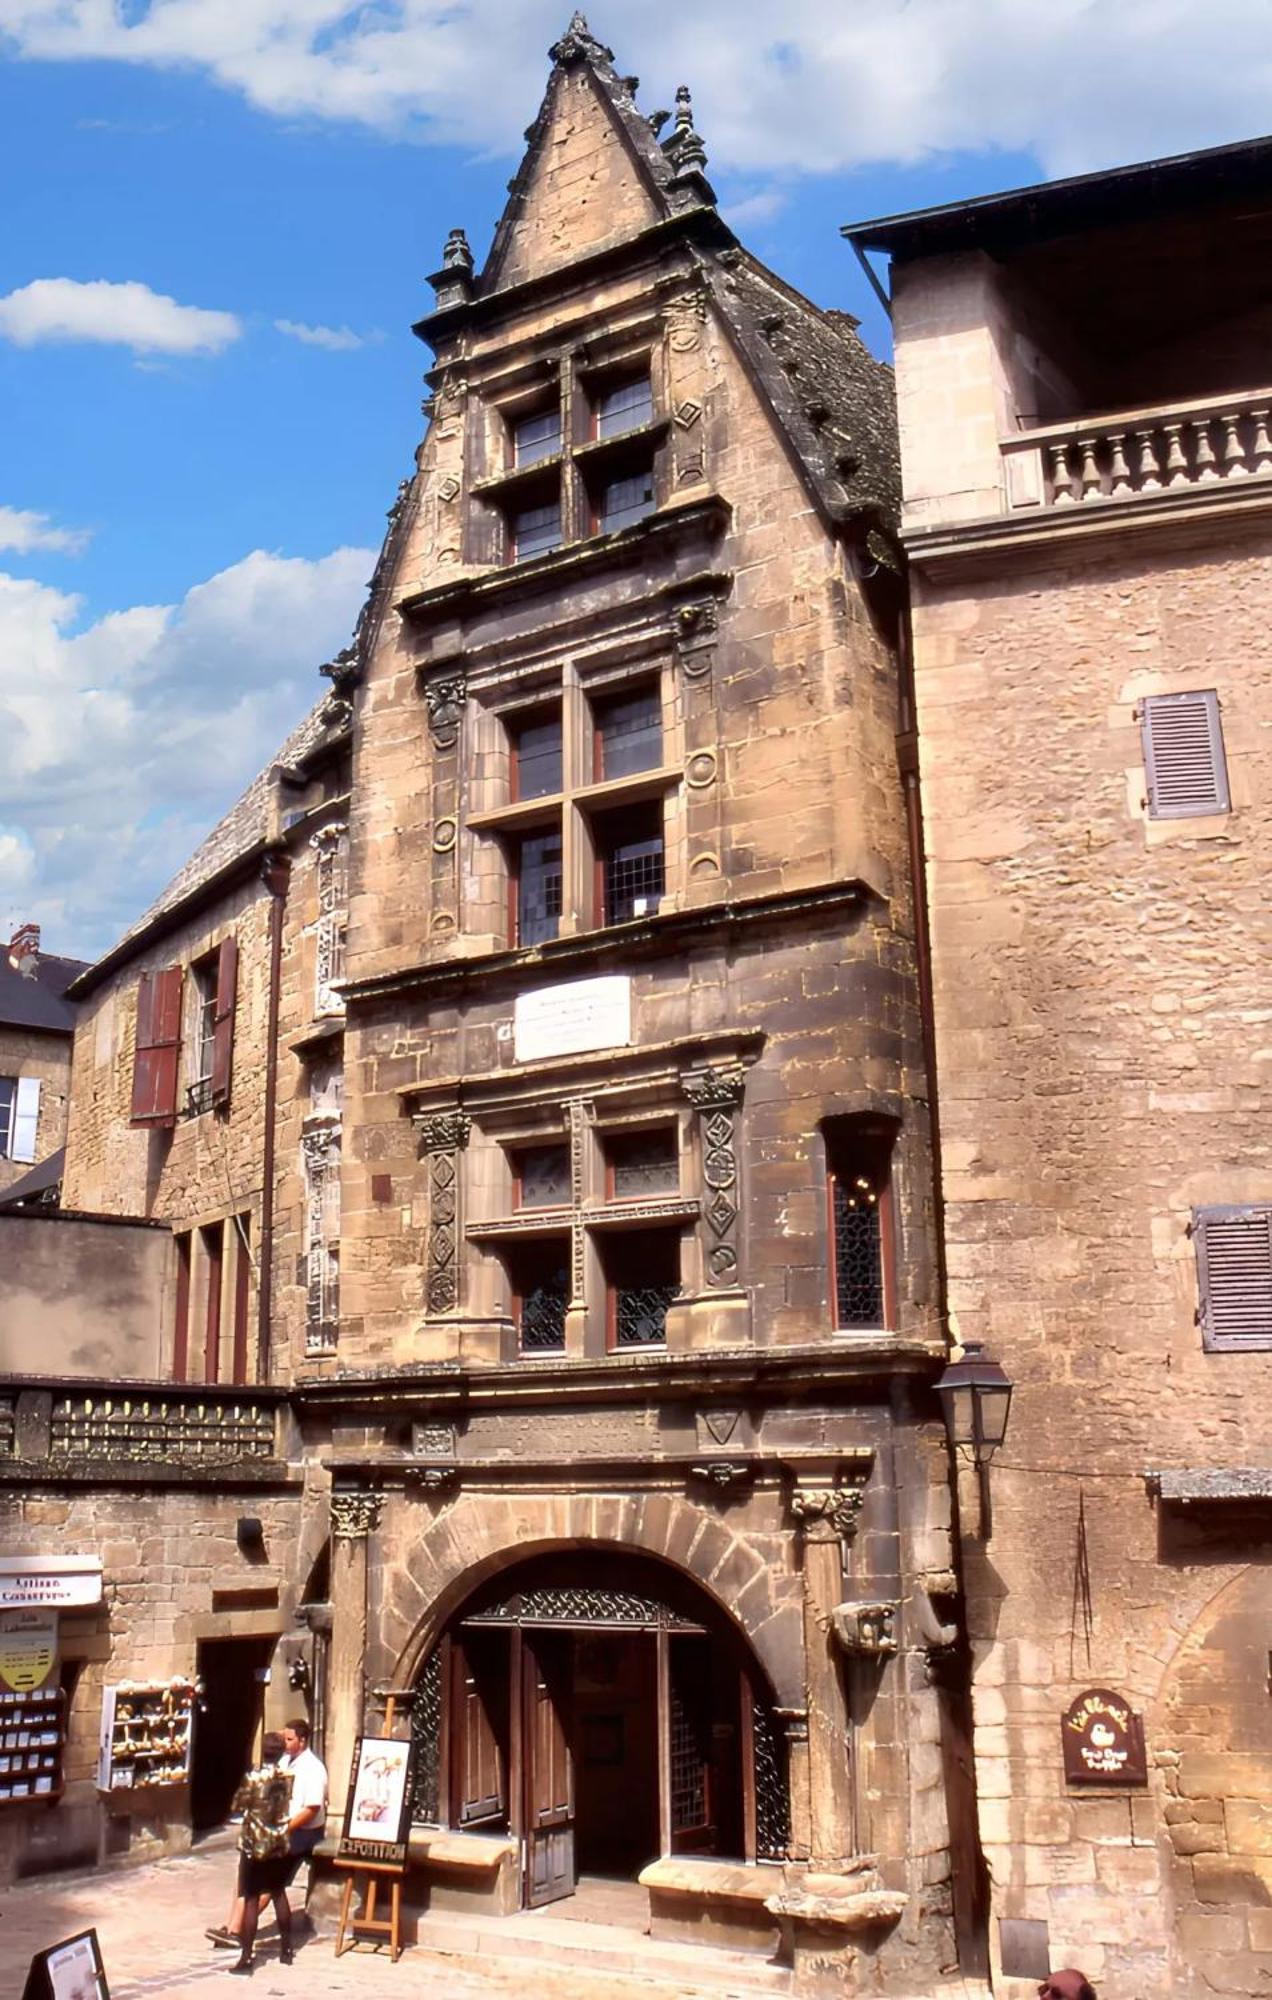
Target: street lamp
[[975, 1398]]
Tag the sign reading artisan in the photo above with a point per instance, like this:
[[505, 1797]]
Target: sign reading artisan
[[49, 1582], [1103, 1741]]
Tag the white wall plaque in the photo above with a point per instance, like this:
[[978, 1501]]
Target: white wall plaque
[[49, 1580], [569, 1020]]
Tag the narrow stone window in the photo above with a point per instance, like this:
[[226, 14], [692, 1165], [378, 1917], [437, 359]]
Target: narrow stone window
[[859, 1191], [320, 1149], [331, 847]]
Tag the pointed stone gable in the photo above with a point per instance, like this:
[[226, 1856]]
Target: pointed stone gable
[[581, 184]]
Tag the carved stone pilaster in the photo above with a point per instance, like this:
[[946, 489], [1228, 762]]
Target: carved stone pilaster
[[330, 845], [443, 1136], [578, 1114], [354, 1512], [444, 698], [320, 1165], [715, 1094]]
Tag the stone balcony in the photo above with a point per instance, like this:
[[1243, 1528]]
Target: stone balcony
[[1215, 444], [139, 1433]]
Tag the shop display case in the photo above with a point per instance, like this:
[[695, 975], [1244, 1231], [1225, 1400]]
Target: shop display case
[[32, 1741], [146, 1732]]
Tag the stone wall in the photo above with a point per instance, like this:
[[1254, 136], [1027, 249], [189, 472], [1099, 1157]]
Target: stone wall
[[82, 1297]]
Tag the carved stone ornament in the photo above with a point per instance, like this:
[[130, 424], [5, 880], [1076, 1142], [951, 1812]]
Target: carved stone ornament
[[445, 700], [687, 413], [433, 1440], [457, 256], [443, 1131], [435, 1478], [448, 489], [723, 1472], [354, 1513], [833, 1509], [579, 44], [723, 1084], [866, 1628]]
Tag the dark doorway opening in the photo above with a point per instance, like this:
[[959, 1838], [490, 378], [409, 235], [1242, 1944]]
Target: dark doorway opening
[[229, 1715], [616, 1739]]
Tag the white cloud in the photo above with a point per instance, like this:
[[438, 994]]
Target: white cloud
[[124, 315], [813, 88], [754, 209], [337, 339], [122, 742], [24, 531]]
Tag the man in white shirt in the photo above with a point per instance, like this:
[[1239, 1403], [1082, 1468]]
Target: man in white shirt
[[308, 1776]]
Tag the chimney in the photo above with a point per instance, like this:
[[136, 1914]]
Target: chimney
[[24, 950]]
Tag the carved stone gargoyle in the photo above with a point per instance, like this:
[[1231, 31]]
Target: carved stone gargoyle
[[866, 1627]]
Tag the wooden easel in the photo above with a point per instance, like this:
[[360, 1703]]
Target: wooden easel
[[368, 1925]]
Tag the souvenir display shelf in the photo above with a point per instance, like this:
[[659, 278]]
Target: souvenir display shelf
[[146, 1732], [32, 1738]]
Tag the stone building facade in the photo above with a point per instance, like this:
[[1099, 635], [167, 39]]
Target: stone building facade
[[1088, 532], [37, 1023], [528, 1082]]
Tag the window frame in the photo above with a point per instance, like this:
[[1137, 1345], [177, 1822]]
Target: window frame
[[8, 1116], [618, 1243], [516, 845], [515, 725], [519, 421], [604, 847], [520, 1254], [601, 389], [618, 698]]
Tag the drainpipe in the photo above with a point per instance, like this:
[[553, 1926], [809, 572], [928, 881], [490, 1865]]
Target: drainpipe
[[275, 873]]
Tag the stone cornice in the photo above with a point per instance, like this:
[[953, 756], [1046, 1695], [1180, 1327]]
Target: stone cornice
[[1067, 536], [660, 936]]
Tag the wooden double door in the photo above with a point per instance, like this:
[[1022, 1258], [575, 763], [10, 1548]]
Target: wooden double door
[[599, 1749]]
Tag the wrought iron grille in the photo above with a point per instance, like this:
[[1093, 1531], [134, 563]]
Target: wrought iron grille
[[640, 1314], [156, 1428], [772, 1792], [634, 879], [858, 1252], [542, 1317], [426, 1735], [568, 1606], [8, 1426], [688, 1768], [198, 1097]]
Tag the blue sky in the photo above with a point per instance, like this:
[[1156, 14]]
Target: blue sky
[[191, 496]]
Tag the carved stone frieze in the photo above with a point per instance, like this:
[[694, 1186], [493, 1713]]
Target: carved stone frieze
[[433, 1440], [443, 1131], [354, 1512]]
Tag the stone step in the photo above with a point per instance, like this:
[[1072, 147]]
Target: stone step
[[685, 1969]]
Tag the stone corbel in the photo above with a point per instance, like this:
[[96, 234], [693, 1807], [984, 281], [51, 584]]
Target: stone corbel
[[866, 1628], [827, 1513], [355, 1511], [434, 1478], [939, 1632], [727, 1474]]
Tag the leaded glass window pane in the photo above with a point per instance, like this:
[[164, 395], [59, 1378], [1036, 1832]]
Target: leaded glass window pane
[[858, 1250], [543, 1176], [643, 1163], [538, 888], [643, 1275], [536, 756], [629, 734], [537, 437], [626, 500], [535, 530], [624, 407], [542, 1278]]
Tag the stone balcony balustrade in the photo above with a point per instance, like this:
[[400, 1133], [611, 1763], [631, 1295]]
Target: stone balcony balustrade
[[101, 1431], [1101, 461]]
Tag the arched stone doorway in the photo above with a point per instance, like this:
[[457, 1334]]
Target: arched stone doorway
[[602, 1709]]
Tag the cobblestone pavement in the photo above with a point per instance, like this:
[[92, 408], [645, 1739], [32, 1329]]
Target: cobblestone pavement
[[150, 1923]]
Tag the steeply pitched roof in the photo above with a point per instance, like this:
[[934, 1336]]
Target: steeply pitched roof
[[39, 1002], [40, 1186]]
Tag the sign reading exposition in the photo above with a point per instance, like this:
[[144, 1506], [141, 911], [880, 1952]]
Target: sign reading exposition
[[573, 1019], [377, 1821], [1103, 1741], [28, 1650], [53, 1582]]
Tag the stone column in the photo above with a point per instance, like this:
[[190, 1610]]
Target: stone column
[[826, 1517], [353, 1515], [715, 1091]]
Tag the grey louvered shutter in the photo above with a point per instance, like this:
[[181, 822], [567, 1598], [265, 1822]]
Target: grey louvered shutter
[[1234, 1272], [1183, 755]]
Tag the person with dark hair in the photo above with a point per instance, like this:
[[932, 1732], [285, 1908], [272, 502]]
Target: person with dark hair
[[1070, 1984], [308, 1819], [264, 1800]]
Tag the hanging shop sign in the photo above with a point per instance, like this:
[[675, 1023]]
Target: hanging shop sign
[[28, 1650], [1103, 1741], [52, 1582]]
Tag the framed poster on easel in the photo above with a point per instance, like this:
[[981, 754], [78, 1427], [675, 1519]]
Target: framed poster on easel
[[374, 1837], [71, 1970]]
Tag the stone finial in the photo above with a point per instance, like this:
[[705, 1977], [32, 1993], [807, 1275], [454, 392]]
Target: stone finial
[[579, 44], [684, 148], [457, 256]]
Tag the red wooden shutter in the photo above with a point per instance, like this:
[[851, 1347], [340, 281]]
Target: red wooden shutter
[[1183, 755], [1234, 1270], [223, 1020], [157, 1055]]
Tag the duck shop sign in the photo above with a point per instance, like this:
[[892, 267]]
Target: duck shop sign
[[1103, 1741]]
